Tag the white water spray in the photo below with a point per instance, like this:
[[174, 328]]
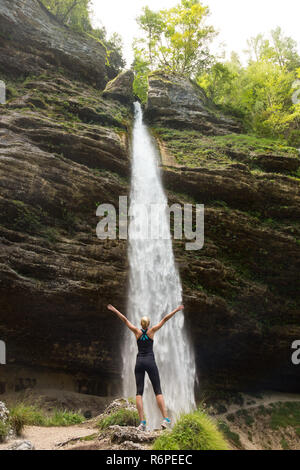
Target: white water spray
[[154, 286]]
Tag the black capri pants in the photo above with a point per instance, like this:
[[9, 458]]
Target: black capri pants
[[146, 364]]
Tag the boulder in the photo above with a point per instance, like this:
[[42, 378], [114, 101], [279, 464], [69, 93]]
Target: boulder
[[120, 88], [4, 413], [175, 101], [122, 434], [21, 445]]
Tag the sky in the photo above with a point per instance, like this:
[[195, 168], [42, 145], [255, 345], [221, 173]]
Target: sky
[[236, 20]]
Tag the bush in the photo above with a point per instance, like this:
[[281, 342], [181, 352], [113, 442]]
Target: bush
[[22, 415], [28, 415], [193, 431], [230, 435], [64, 418], [121, 417]]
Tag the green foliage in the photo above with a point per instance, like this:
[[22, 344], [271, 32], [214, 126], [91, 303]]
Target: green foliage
[[193, 149], [27, 218], [284, 444], [262, 92], [279, 49], [285, 414], [74, 13], [122, 417], [141, 69], [246, 416], [22, 415], [175, 39], [193, 431], [230, 435], [64, 418]]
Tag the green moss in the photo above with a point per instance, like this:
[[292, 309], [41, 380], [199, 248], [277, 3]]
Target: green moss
[[193, 149], [91, 437], [230, 417], [230, 435], [248, 419], [122, 417], [284, 444], [193, 431], [285, 414], [27, 218]]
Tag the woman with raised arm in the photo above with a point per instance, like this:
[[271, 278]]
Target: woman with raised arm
[[145, 362]]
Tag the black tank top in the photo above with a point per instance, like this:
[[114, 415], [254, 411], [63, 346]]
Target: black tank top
[[145, 344]]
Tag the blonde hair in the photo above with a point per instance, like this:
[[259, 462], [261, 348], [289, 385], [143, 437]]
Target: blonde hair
[[145, 322]]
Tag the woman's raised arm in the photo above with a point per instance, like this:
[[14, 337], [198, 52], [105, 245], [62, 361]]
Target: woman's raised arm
[[166, 318], [122, 317]]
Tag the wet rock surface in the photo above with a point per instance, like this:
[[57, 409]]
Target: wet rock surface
[[33, 41], [174, 101], [120, 88]]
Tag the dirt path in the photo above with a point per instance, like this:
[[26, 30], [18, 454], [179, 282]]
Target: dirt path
[[266, 399], [48, 438]]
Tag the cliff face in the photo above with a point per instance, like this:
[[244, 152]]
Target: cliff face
[[241, 290], [179, 103], [64, 149], [32, 42]]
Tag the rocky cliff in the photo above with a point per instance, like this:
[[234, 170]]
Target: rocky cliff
[[241, 290], [65, 140]]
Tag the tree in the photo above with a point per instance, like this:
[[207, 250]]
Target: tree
[[284, 50], [280, 50], [74, 13], [177, 39], [142, 69], [151, 23]]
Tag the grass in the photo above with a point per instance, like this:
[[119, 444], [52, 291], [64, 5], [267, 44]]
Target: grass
[[22, 415], [193, 149], [193, 431], [122, 417], [248, 419], [285, 414], [230, 435], [91, 437]]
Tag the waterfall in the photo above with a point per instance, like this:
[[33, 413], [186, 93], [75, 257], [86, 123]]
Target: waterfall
[[154, 285]]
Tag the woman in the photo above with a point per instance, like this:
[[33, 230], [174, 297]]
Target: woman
[[145, 362]]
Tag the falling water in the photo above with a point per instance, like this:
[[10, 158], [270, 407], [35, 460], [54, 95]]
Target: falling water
[[154, 285]]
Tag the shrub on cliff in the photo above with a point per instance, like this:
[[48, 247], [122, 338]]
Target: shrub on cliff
[[193, 431]]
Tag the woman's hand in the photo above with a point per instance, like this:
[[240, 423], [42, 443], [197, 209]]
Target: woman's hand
[[110, 307], [181, 307]]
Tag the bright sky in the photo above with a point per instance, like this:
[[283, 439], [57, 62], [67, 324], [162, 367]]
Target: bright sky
[[236, 20]]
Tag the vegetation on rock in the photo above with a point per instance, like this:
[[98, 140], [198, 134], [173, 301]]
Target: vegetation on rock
[[193, 431], [22, 414]]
